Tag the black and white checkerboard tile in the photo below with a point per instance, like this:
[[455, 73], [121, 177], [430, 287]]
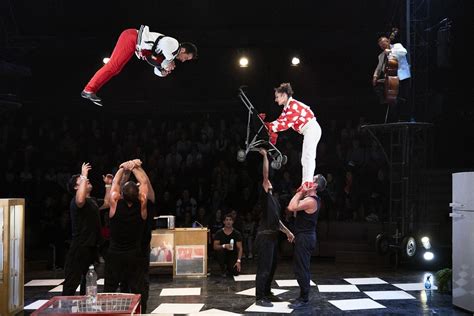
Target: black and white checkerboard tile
[[370, 295]]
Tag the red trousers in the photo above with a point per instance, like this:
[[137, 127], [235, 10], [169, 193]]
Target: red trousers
[[123, 51]]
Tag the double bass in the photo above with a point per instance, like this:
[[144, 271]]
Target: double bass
[[391, 81]]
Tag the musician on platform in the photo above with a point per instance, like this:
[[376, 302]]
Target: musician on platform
[[403, 109]]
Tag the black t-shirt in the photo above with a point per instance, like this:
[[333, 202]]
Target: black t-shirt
[[269, 221], [126, 228], [225, 239], [85, 222]]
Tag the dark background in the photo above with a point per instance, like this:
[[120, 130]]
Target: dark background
[[50, 49]]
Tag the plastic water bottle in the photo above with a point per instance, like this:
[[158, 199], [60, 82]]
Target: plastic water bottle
[[428, 282], [91, 285], [232, 244]]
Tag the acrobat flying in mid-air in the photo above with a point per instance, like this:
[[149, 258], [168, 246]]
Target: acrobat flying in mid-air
[[156, 49]]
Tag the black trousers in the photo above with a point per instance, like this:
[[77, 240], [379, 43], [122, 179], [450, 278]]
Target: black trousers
[[406, 110], [227, 260], [146, 282], [304, 246], [267, 250], [124, 267], [403, 109], [125, 288], [78, 260]]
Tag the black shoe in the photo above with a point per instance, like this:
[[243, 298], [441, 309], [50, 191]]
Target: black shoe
[[299, 305], [273, 298], [294, 300], [91, 96], [264, 302]]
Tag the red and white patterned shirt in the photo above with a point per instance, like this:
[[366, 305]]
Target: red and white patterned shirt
[[295, 115]]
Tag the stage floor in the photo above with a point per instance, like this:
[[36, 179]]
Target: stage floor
[[338, 289]]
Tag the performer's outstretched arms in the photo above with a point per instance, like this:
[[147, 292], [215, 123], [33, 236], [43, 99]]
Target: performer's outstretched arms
[[108, 185], [266, 182], [81, 193], [115, 190]]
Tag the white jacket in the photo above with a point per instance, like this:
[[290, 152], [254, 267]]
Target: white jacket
[[165, 52], [399, 52]]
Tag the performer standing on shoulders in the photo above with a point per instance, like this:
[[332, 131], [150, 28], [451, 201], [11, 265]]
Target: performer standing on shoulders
[[299, 117], [306, 205], [156, 49]]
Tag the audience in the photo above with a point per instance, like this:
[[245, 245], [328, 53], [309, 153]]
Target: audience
[[192, 164]]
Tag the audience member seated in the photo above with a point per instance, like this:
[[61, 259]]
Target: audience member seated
[[196, 154], [228, 248]]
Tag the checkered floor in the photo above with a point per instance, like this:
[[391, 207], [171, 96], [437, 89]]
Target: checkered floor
[[337, 294]]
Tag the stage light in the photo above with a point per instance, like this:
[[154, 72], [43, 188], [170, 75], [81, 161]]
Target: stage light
[[295, 61], [106, 60], [243, 62], [428, 256], [426, 242]]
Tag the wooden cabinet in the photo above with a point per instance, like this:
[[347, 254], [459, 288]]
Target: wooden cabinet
[[12, 232], [162, 248], [185, 249], [190, 252]]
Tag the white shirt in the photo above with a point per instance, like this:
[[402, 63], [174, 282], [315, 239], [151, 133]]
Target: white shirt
[[399, 52], [167, 47]]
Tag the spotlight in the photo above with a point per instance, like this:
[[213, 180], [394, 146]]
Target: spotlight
[[106, 60], [243, 62], [428, 256], [426, 242], [295, 61]]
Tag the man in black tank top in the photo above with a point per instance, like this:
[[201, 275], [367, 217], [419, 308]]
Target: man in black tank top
[[305, 206], [128, 213], [145, 244], [266, 241], [85, 222]]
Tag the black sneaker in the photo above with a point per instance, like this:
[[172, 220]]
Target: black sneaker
[[299, 304], [91, 96], [264, 302], [294, 300]]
